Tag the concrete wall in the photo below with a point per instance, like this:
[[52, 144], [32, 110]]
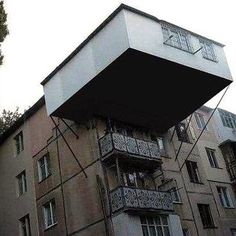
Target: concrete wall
[[12, 206]]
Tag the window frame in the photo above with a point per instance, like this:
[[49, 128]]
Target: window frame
[[156, 224], [181, 40], [200, 121], [228, 119], [21, 183], [19, 143], [51, 205], [208, 51], [212, 157], [182, 134], [224, 196], [46, 164], [203, 217], [174, 191], [195, 177], [25, 221]]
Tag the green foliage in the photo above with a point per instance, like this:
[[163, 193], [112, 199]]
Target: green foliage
[[8, 118], [3, 27]]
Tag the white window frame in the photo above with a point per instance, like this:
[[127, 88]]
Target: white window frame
[[45, 165], [22, 183], [200, 120], [19, 143], [155, 225], [208, 51], [51, 217], [228, 119], [224, 197], [212, 157], [176, 38]]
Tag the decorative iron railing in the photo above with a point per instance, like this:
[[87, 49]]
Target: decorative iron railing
[[126, 144], [128, 198]]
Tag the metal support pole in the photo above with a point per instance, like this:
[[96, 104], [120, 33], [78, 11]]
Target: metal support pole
[[76, 135], [204, 127], [67, 144]]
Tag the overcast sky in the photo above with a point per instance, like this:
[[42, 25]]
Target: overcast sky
[[44, 32]]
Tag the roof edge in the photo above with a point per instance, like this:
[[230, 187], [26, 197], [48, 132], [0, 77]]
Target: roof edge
[[30, 112]]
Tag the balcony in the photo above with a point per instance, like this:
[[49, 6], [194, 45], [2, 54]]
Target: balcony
[[135, 199], [128, 149]]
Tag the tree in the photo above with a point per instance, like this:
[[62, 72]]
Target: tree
[[8, 118], [3, 27]]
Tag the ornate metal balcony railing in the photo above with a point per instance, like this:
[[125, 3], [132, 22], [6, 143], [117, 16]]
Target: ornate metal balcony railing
[[135, 199], [118, 142]]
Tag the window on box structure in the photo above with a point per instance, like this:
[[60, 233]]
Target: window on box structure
[[175, 195], [22, 185], [49, 213], [212, 157], [44, 167], [176, 38], [200, 121], [224, 196], [207, 50], [155, 226], [19, 142], [228, 119], [25, 226], [193, 171], [205, 213], [182, 132]]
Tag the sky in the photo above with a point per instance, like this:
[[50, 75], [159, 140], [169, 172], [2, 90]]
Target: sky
[[44, 32]]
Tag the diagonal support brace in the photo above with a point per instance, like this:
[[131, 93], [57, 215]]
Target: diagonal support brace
[[67, 144]]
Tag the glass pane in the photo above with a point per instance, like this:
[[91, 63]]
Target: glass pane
[[152, 231], [157, 220], [164, 220], [150, 220], [159, 231], [145, 231], [166, 231]]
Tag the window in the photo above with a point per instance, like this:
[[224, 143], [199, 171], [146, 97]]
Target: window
[[224, 197], [193, 171], [160, 143], [49, 213], [182, 132], [212, 157], [207, 50], [228, 119], [233, 232], [175, 195], [155, 226], [44, 167], [176, 38], [19, 144], [205, 213], [200, 120], [25, 226], [22, 186]]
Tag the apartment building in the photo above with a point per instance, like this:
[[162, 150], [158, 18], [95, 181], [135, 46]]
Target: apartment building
[[105, 150]]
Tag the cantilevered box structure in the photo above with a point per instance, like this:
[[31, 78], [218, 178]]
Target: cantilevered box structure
[[138, 69]]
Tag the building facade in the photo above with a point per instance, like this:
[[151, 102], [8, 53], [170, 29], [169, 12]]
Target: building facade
[[98, 155]]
